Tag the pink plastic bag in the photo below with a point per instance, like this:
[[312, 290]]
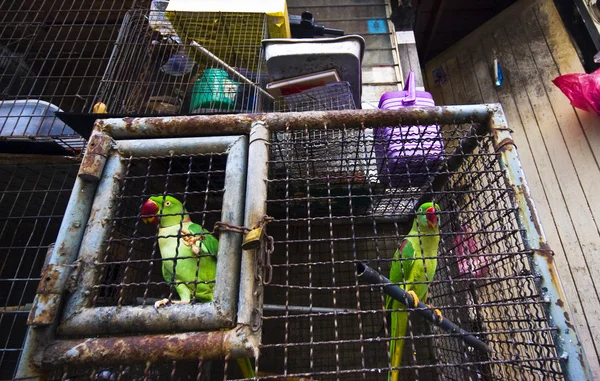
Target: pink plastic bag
[[470, 263], [583, 90]]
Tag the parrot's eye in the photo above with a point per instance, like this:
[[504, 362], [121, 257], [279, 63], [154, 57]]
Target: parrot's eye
[[168, 203]]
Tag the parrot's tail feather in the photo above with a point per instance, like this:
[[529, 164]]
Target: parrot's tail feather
[[246, 367], [399, 324]]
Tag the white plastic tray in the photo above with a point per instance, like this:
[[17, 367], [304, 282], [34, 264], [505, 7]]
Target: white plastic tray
[[293, 57]]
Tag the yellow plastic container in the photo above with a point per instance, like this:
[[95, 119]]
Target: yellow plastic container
[[276, 11], [230, 29]]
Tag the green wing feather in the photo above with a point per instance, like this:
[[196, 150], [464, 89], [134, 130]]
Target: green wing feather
[[210, 245]]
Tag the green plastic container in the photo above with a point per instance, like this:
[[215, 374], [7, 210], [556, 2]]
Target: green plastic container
[[214, 90]]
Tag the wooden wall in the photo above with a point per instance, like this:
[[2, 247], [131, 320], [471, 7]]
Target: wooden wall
[[559, 146]]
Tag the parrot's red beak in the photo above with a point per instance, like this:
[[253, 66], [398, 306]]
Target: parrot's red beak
[[149, 211], [432, 217]]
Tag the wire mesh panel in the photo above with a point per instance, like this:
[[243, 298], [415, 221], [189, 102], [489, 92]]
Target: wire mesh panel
[[52, 57], [33, 197], [321, 322], [153, 70], [132, 267], [335, 96]]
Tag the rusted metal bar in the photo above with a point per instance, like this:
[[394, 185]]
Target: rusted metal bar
[[64, 253], [203, 125], [573, 361], [250, 296], [95, 239], [235, 343], [95, 157], [178, 146], [143, 319]]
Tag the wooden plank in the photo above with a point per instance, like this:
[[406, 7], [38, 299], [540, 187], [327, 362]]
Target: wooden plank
[[579, 149], [455, 79], [556, 170], [560, 233], [482, 68], [472, 93], [488, 27], [378, 74], [567, 60]]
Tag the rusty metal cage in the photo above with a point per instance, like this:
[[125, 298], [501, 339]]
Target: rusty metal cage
[[33, 198], [154, 70], [303, 309], [52, 58], [67, 57]]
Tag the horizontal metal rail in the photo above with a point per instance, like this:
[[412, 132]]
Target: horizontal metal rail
[[204, 125]]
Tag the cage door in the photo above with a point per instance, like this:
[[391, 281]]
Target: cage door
[[126, 265]]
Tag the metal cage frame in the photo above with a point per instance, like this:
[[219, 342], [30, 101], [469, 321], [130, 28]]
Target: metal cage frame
[[42, 350]]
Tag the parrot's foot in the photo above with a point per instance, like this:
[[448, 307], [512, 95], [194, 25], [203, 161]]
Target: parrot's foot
[[189, 240], [437, 315], [165, 301], [196, 249], [415, 298]]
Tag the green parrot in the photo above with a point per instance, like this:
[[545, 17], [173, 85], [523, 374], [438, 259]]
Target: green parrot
[[419, 253], [174, 221]]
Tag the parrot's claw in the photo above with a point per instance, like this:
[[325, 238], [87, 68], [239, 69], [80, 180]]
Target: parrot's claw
[[166, 301], [196, 249], [161, 303], [415, 298], [437, 315], [189, 240]]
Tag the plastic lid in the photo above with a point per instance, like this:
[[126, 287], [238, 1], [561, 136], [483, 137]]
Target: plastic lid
[[402, 94]]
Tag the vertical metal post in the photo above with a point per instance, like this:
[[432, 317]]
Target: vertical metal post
[[92, 245], [250, 297], [63, 255], [228, 265], [572, 357]]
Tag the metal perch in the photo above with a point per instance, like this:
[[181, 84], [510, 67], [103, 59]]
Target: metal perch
[[371, 276]]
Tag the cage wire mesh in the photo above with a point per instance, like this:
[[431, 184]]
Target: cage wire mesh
[[52, 57], [132, 265], [66, 56], [33, 198], [321, 322], [154, 70], [331, 97]]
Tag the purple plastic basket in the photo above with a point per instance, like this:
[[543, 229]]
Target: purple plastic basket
[[406, 154]]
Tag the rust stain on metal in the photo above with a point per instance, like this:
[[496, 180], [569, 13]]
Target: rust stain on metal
[[560, 303], [197, 125], [506, 144], [93, 161], [155, 348], [568, 320], [51, 277], [44, 310]]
